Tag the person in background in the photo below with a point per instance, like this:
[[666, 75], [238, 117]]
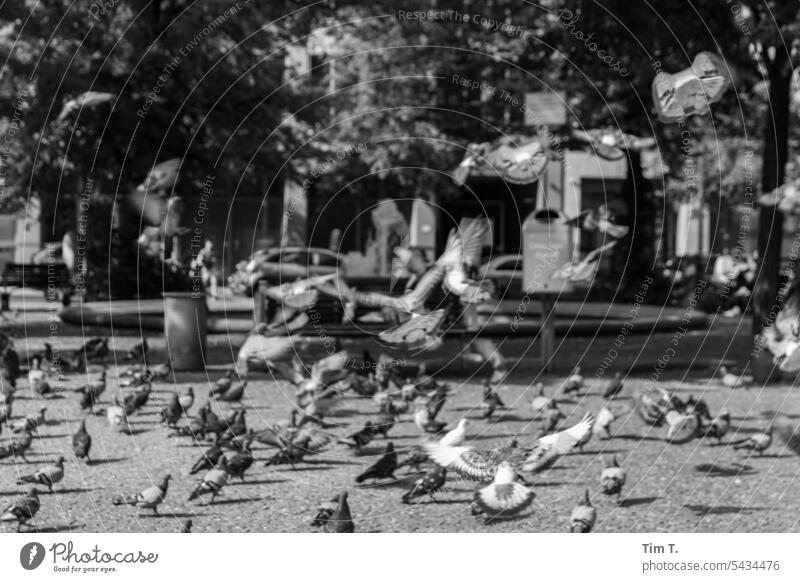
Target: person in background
[[204, 264], [741, 286]]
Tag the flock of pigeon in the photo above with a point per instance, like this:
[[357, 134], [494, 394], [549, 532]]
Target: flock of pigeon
[[503, 475], [215, 418]]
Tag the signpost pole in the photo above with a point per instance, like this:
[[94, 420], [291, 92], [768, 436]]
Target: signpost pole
[[547, 245], [548, 332]]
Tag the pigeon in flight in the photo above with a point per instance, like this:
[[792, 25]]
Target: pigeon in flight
[[504, 497]]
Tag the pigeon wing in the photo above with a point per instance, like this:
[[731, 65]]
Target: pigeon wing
[[503, 499], [417, 329], [563, 441], [149, 495], [473, 233], [468, 462]]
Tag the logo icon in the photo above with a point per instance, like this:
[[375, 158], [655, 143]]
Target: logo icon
[[31, 555]]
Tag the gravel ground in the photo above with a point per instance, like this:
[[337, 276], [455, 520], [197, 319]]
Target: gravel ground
[[698, 486]]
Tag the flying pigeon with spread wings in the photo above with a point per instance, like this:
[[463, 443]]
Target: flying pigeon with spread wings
[[611, 144], [478, 465], [692, 90], [460, 250], [467, 244], [544, 452], [504, 497], [151, 201]]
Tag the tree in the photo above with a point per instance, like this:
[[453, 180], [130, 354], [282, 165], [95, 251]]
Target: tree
[[774, 43], [200, 81]]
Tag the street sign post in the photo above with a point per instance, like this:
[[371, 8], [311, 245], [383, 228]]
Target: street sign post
[[547, 244]]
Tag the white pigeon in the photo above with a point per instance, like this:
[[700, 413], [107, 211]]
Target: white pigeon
[[548, 449], [730, 379], [456, 436], [613, 478], [117, 418], [36, 376], [602, 424], [682, 427], [504, 496]]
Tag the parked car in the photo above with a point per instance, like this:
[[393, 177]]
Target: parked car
[[282, 265]]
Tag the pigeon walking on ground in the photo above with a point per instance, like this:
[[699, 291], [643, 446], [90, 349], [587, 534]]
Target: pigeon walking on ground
[[361, 438], [583, 515], [207, 460], [719, 425], [22, 510], [324, 512], [47, 476], [242, 460], [233, 394], [614, 386], [490, 401], [91, 392], [552, 419], [82, 443], [602, 424], [613, 477], [424, 421], [682, 427], [172, 412], [574, 383], [224, 383], [540, 402], [213, 481], [149, 498], [341, 521], [757, 442], [31, 422], [429, 484], [415, 458], [17, 447], [383, 468]]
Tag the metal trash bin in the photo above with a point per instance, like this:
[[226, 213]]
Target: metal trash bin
[[546, 247], [185, 325]]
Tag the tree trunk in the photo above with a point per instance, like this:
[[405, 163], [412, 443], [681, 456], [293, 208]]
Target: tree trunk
[[770, 220], [642, 212]]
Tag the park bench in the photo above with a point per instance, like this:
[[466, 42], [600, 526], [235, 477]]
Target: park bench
[[54, 278]]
